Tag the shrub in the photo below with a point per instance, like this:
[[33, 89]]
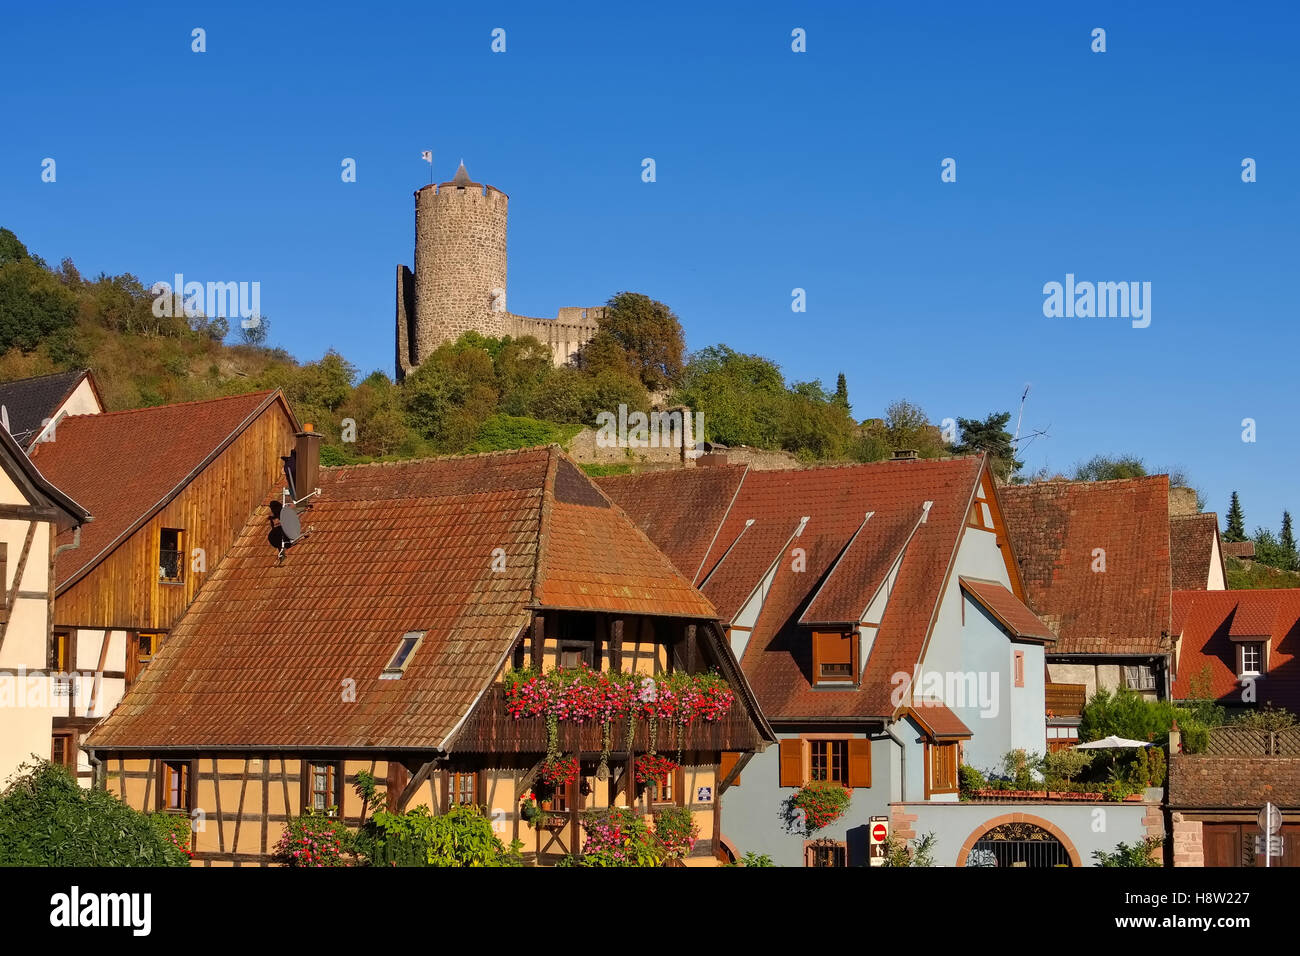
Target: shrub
[[48, 819], [676, 830], [1065, 765], [461, 837], [969, 780], [617, 837], [1267, 717], [900, 852], [754, 859], [1144, 853], [314, 840]]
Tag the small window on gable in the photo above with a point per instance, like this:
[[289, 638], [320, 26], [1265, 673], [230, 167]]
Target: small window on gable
[[171, 555], [402, 656], [1019, 668]]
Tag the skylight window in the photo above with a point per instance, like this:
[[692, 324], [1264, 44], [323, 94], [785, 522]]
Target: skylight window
[[402, 656]]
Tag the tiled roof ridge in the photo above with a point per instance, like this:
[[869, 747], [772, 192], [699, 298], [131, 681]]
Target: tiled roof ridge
[[36, 378], [1078, 482], [898, 463], [263, 392], [427, 459], [544, 508], [1199, 514]]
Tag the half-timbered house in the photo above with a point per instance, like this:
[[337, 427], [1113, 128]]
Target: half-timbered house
[[32, 513], [169, 488], [380, 640]]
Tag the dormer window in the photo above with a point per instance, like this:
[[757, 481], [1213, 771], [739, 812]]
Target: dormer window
[[1252, 659], [835, 657], [402, 656]]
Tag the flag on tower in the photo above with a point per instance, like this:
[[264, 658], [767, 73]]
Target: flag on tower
[[427, 156]]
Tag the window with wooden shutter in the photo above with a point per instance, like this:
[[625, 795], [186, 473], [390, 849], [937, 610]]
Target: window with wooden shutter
[[941, 769], [792, 763], [834, 657], [859, 762], [729, 760], [829, 760]]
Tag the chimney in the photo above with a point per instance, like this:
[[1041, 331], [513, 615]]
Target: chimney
[[306, 461], [1182, 501]]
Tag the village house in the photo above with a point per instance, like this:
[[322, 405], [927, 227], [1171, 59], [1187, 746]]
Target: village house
[[32, 514], [169, 488], [381, 639], [879, 614], [31, 408], [1095, 558]]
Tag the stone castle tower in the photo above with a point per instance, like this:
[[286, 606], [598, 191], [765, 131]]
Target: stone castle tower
[[459, 281]]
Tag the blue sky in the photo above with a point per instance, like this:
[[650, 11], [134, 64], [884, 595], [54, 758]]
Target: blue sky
[[775, 170]]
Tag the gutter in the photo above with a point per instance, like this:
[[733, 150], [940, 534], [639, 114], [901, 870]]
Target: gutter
[[902, 752]]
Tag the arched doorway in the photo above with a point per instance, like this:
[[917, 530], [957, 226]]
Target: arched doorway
[[1017, 844]]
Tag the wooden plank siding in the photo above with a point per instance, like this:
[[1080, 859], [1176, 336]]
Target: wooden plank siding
[[124, 591]]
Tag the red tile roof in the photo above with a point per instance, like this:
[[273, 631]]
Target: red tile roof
[[1056, 529], [861, 571], [684, 534], [264, 652], [938, 721], [1008, 610], [1247, 783], [1209, 620], [1191, 549], [125, 466], [758, 533], [1239, 549]]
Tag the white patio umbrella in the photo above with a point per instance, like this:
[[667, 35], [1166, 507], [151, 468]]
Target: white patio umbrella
[[1112, 741]]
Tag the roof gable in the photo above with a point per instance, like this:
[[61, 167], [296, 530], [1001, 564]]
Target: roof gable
[[126, 466], [31, 402]]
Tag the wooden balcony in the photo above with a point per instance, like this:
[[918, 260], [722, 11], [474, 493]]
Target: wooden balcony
[[1065, 700], [490, 729]]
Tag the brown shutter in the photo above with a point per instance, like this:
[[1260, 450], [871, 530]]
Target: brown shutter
[[859, 762], [729, 759], [792, 762], [816, 657]]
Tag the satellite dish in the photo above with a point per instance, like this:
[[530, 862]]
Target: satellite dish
[[290, 524], [286, 526]]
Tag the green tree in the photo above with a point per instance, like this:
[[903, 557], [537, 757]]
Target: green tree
[[450, 395], [33, 305], [842, 392], [1286, 543], [990, 435], [1108, 467], [12, 249], [48, 819], [907, 427], [1236, 530], [641, 336]]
